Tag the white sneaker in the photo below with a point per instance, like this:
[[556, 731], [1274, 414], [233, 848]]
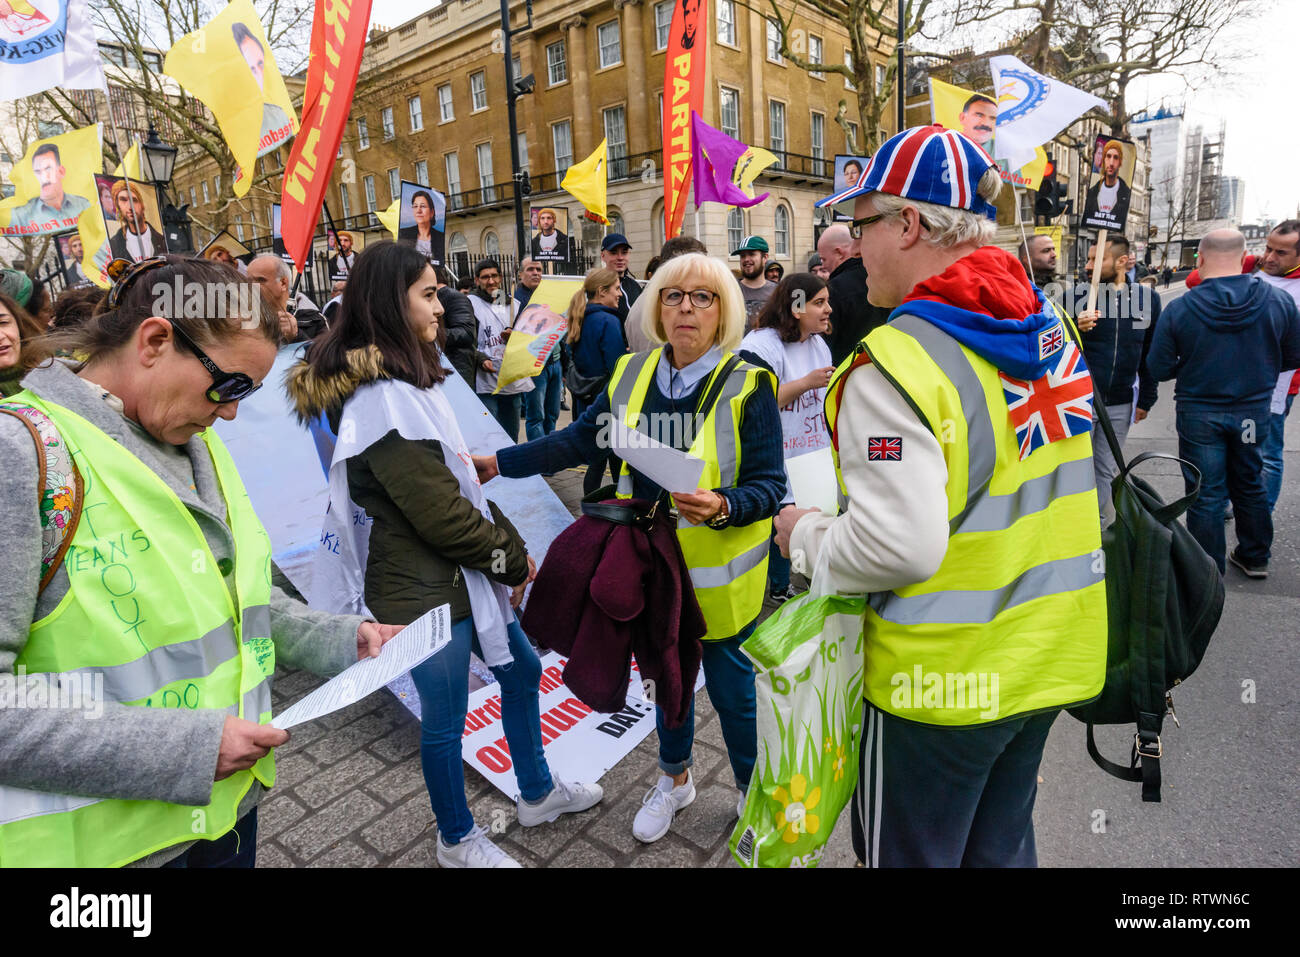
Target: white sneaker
[[659, 805], [563, 799], [474, 850]]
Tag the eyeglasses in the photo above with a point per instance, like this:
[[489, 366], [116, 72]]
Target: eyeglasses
[[858, 225], [123, 272], [226, 386], [700, 298]]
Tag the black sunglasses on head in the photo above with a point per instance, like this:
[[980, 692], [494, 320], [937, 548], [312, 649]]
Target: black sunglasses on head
[[226, 386]]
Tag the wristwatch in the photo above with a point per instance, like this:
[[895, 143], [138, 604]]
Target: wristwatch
[[720, 517]]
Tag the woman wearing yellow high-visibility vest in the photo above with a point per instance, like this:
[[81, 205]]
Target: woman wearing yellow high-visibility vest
[[695, 308], [139, 628]]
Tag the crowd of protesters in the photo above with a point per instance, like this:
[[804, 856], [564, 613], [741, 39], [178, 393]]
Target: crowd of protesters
[[904, 313]]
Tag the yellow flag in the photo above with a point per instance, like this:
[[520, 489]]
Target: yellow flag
[[951, 107], [586, 181], [229, 66], [752, 162], [133, 165], [390, 216], [538, 329]]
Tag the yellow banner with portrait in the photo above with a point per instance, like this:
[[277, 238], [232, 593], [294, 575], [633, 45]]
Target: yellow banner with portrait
[[228, 65], [538, 329], [975, 116]]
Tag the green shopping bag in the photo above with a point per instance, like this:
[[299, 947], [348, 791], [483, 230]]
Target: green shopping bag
[[809, 710]]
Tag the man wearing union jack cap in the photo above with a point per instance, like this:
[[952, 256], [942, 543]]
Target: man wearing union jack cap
[[961, 431]]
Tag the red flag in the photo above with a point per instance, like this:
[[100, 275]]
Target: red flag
[[683, 92], [338, 37]]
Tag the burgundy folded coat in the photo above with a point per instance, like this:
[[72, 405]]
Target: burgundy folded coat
[[606, 592]]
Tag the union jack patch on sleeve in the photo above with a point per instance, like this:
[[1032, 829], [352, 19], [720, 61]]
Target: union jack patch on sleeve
[[1050, 341], [885, 448]]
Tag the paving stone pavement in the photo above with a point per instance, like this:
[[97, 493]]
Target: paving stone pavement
[[350, 792]]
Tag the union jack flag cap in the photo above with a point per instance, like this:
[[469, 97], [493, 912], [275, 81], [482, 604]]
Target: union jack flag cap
[[930, 164]]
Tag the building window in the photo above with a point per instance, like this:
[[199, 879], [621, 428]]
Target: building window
[[817, 142], [363, 134], [607, 39], [663, 20], [557, 67], [446, 110], [345, 201], [516, 70], [452, 163], [776, 131], [239, 231], [485, 181], [369, 183], [478, 91], [193, 200], [727, 22], [206, 198], [417, 113], [394, 184], [781, 232], [852, 135], [616, 222], [422, 172], [729, 111], [1027, 200], [815, 55], [562, 140], [386, 120], [848, 62], [491, 244], [522, 140], [616, 134], [774, 41], [735, 227], [880, 77], [216, 185]]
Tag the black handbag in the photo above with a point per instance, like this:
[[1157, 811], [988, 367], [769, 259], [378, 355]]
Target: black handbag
[[584, 388], [1164, 597]]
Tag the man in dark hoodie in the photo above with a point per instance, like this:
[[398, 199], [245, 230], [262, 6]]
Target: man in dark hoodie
[[461, 327], [1227, 341], [1116, 338], [962, 437]]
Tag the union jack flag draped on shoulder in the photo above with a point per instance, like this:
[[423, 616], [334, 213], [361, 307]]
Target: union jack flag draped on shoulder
[[1057, 406]]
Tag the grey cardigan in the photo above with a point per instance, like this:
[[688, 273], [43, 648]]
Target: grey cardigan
[[163, 754]]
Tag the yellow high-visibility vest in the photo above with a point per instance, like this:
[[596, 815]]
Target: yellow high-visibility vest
[[728, 565], [148, 617], [1014, 620]]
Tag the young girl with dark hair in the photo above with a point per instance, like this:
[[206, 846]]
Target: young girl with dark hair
[[415, 531], [787, 341]]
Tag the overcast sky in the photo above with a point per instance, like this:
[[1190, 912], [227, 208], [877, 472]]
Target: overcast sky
[[1257, 100]]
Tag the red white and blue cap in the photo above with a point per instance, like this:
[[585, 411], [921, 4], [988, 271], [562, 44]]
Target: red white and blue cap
[[929, 164]]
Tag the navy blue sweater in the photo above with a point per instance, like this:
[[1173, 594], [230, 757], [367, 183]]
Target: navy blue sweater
[[601, 343], [1227, 340], [760, 483]]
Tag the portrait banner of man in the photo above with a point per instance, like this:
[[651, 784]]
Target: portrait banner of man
[[343, 249], [422, 220], [53, 184], [229, 66], [71, 253], [226, 249], [1105, 205], [975, 116], [550, 228], [137, 232]]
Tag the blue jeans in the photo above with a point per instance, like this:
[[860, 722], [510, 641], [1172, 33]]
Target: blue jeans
[[543, 402], [778, 567], [443, 684], [236, 848], [505, 409], [1225, 446], [729, 678], [1272, 453]]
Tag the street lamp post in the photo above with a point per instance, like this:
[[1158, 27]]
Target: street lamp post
[[160, 162], [516, 88]]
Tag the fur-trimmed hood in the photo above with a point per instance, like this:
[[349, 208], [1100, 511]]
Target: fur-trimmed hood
[[313, 393]]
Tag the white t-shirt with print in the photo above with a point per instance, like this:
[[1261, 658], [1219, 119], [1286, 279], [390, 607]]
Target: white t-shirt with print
[[803, 425]]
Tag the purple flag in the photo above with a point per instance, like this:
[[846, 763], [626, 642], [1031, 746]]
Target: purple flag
[[714, 156]]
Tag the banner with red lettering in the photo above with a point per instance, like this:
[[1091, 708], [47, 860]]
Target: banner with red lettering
[[683, 92], [338, 37]]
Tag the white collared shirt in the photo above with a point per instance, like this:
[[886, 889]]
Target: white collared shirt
[[676, 383]]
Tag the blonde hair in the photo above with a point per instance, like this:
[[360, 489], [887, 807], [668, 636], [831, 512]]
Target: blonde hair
[[717, 278], [597, 281], [950, 226]]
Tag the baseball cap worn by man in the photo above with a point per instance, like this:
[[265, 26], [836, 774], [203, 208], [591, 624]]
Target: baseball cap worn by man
[[751, 244], [613, 241]]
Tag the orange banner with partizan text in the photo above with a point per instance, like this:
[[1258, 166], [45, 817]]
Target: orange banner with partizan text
[[338, 37], [683, 92]]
